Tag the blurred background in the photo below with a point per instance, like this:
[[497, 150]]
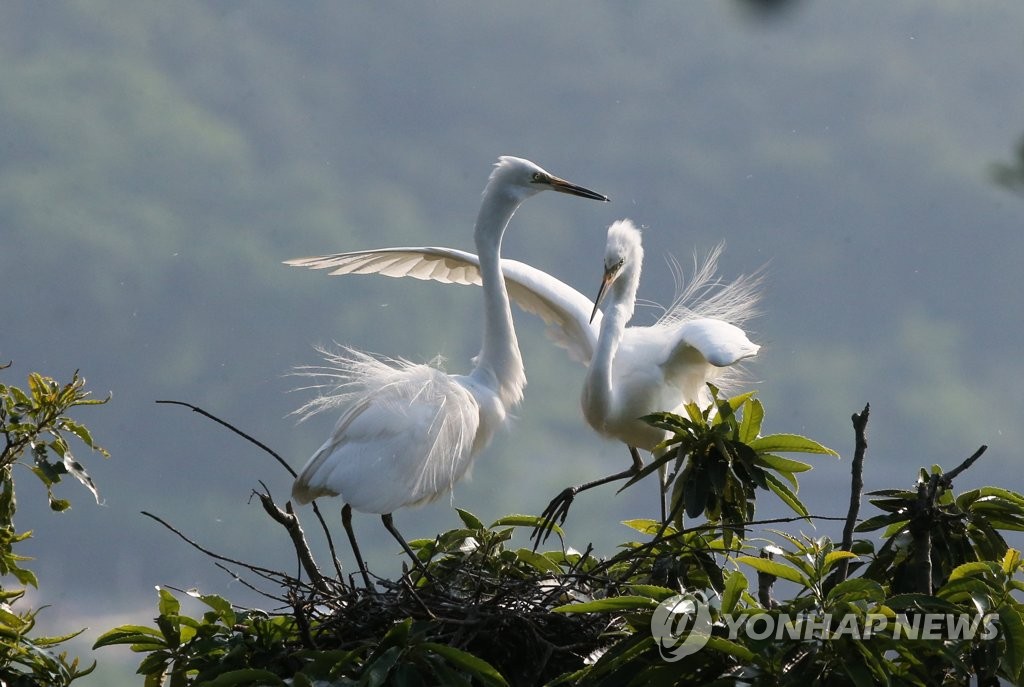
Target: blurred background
[[159, 161]]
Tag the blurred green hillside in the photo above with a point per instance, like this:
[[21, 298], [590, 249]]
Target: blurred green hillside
[[158, 161]]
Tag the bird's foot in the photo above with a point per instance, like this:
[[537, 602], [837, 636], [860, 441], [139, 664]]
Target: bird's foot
[[553, 516]]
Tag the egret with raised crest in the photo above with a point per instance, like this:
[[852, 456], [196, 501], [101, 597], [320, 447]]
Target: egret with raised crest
[[632, 370], [408, 432]]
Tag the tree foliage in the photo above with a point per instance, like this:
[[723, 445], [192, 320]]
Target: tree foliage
[[34, 425], [479, 610]]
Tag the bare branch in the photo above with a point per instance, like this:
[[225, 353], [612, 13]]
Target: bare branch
[[279, 459], [211, 554], [765, 582], [948, 477], [291, 524], [860, 423]]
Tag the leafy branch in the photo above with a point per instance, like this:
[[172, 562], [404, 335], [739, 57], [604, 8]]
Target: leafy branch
[[478, 609], [716, 461], [35, 422]]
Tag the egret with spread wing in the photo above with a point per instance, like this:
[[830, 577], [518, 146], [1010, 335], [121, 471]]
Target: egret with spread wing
[[632, 371], [408, 432]]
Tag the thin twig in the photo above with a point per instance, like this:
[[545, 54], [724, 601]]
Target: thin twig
[[860, 423], [247, 437], [249, 585], [208, 552], [280, 460], [948, 477]]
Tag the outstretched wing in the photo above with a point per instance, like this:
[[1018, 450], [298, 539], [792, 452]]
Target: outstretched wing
[[564, 309]]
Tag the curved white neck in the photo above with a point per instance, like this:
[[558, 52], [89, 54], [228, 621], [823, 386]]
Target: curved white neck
[[500, 365], [598, 391]]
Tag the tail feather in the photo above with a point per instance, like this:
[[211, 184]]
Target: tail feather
[[706, 295], [348, 374]]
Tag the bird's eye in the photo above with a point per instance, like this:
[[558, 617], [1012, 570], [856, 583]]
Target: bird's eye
[[537, 178]]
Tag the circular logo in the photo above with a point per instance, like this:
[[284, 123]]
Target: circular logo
[[681, 625]]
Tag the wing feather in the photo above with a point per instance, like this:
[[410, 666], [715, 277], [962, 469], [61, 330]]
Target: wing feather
[[720, 343], [565, 310]]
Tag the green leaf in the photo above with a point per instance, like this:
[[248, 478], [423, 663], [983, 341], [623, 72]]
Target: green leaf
[[129, 634], [735, 585], [833, 556], [895, 528], [894, 494], [733, 403], [377, 669], [879, 521], [79, 430], [1012, 560], [470, 520], [696, 416], [787, 496], [773, 568], [750, 425], [58, 505], [789, 443], [398, 634], [670, 422], [647, 526], [219, 604], [1011, 630], [921, 602], [20, 398], [538, 561], [154, 666], [519, 520], [974, 590], [780, 464], [25, 577], [167, 604], [855, 590], [444, 673], [610, 605], [971, 569], [620, 655], [37, 387], [468, 662], [652, 591], [725, 646], [859, 674]]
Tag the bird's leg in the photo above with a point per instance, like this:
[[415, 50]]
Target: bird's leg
[[662, 492], [389, 523], [346, 521], [638, 463], [558, 509]]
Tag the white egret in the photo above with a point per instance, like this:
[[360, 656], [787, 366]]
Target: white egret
[[632, 371], [636, 371], [408, 432]]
